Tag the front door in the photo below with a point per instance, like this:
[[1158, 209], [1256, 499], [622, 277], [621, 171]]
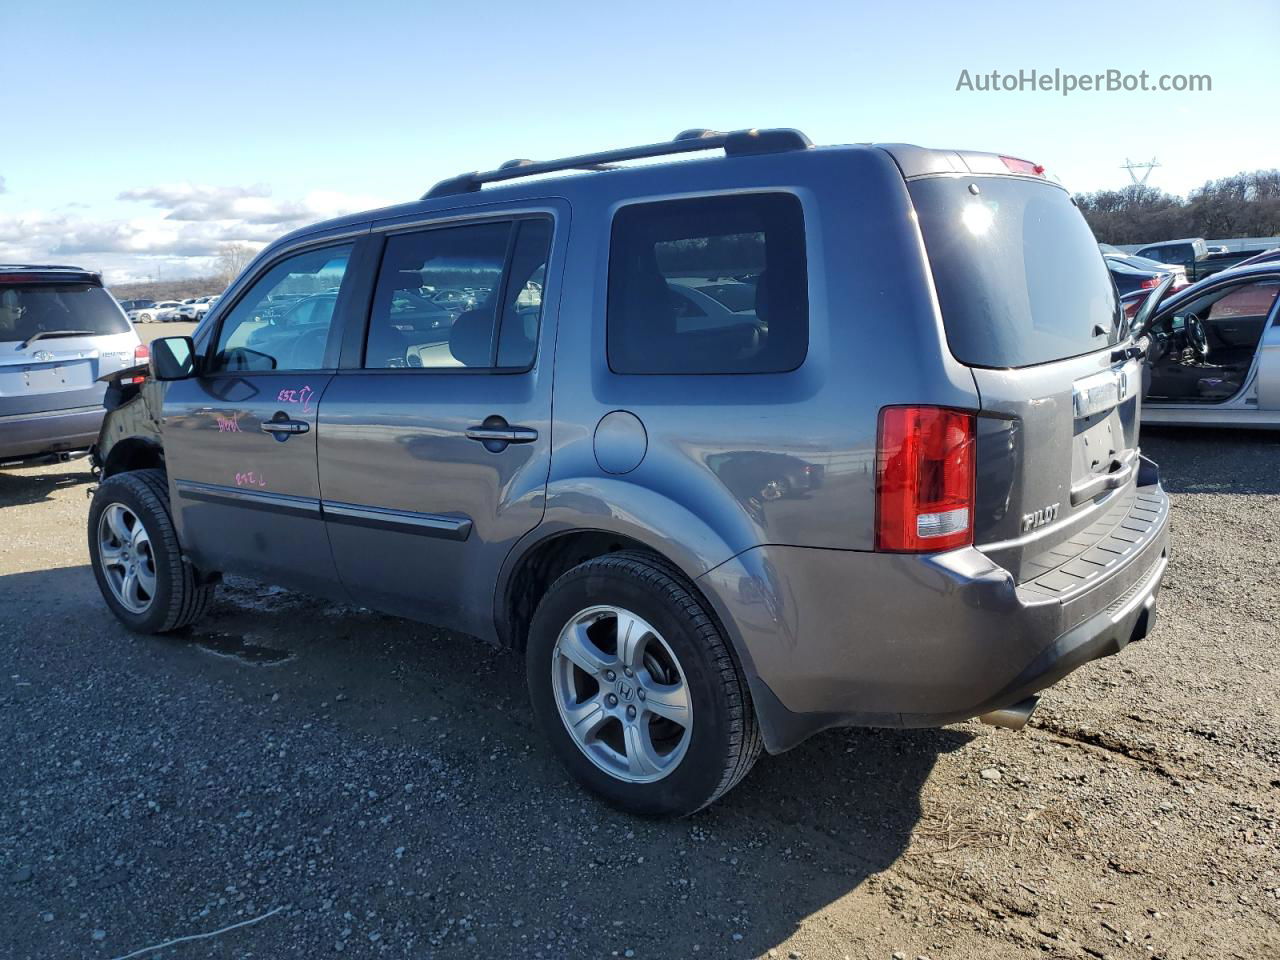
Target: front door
[[435, 436], [1202, 352], [240, 437]]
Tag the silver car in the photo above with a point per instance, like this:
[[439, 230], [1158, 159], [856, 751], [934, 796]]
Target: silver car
[[886, 473], [1214, 353], [60, 331]]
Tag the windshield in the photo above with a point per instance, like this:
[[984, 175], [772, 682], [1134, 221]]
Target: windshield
[[26, 310], [1019, 276]]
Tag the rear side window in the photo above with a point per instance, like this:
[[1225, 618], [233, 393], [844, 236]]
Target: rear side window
[[1019, 276], [63, 309], [465, 296], [708, 286]]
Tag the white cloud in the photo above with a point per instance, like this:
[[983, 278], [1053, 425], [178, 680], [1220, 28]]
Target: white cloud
[[254, 204], [183, 236]]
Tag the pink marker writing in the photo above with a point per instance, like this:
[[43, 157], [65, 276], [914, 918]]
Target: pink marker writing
[[301, 395]]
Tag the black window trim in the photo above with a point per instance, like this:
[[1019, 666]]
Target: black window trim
[[353, 239], [767, 190], [354, 348]]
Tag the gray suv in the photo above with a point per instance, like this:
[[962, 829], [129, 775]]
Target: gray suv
[[734, 449], [60, 333]]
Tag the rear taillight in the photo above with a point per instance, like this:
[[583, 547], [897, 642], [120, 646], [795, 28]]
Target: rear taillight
[[924, 479], [1151, 282], [141, 355]]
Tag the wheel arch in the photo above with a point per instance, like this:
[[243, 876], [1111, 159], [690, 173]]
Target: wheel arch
[[133, 453], [590, 517]]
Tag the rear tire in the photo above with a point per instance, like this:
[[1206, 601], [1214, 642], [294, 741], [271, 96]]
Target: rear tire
[[674, 733], [135, 555]]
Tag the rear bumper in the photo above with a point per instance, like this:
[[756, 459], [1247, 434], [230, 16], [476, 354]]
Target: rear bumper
[[34, 436], [837, 638]]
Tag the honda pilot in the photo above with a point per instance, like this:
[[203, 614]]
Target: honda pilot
[[732, 450]]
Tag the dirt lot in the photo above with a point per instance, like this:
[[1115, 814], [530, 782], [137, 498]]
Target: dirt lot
[[379, 784], [151, 331]]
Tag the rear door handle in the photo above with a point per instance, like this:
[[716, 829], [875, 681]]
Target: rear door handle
[[495, 433], [506, 434], [283, 429]]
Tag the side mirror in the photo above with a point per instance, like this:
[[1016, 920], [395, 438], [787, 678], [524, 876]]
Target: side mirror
[[173, 358]]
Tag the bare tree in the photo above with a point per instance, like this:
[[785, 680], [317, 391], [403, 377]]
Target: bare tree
[[232, 258], [1244, 205]]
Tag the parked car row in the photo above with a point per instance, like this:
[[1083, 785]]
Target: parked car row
[[1196, 257], [164, 311]]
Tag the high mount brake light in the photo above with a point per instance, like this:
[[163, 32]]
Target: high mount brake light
[[924, 479], [1025, 167]]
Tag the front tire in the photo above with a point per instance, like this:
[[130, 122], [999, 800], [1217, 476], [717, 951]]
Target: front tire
[[634, 684], [136, 560]]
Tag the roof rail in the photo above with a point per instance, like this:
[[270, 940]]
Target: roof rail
[[44, 266], [735, 144]]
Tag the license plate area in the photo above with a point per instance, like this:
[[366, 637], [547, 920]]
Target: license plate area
[[22, 379], [1104, 391]]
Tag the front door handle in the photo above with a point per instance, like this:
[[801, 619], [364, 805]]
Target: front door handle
[[285, 428], [495, 433]]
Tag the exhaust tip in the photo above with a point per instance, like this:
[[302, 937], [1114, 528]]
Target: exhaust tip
[[1014, 717]]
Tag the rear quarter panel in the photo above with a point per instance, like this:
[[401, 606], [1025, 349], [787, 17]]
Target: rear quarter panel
[[720, 447]]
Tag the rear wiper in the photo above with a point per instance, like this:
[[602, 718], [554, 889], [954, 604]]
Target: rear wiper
[[42, 334]]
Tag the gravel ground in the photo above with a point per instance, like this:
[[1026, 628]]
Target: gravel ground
[[378, 784]]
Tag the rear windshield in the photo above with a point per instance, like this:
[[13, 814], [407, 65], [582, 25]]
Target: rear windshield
[[26, 310], [1019, 275]]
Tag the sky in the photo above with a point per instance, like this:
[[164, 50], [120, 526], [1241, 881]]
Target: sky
[[139, 137]]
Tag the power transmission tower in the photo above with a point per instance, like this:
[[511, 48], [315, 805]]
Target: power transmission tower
[[1145, 167]]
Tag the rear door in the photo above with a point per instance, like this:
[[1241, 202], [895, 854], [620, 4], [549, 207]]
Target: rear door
[[240, 437], [1029, 306], [435, 437]]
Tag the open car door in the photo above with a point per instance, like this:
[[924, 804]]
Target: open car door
[[1207, 345], [1141, 326]]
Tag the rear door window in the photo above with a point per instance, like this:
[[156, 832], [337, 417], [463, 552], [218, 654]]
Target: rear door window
[[710, 285], [83, 309], [1019, 276], [458, 297]]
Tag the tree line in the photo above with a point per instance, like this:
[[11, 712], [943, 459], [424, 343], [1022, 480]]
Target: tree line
[[1243, 205], [232, 258]]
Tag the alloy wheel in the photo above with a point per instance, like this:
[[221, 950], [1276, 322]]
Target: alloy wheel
[[622, 694], [128, 563]]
